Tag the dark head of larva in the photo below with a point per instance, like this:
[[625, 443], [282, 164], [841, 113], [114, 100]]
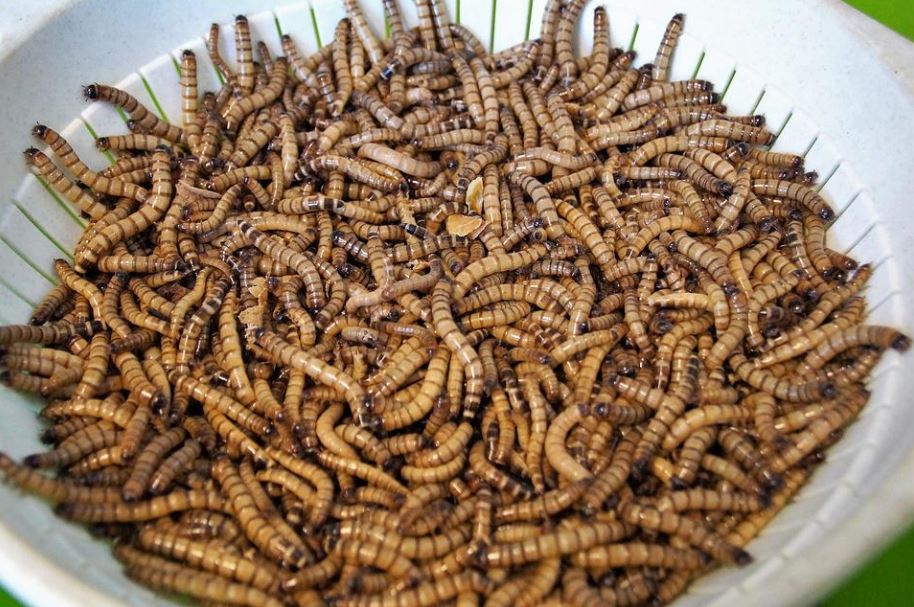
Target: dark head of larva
[[39, 131], [30, 153], [826, 214], [32, 461], [388, 72], [393, 465], [741, 557], [102, 143], [901, 342], [90, 92], [187, 54], [678, 484], [241, 20], [64, 510], [828, 390]]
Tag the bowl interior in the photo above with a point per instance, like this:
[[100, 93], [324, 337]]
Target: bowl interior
[[752, 71]]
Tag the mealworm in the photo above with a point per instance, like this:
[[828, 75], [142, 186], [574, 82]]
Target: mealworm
[[137, 112], [415, 307]]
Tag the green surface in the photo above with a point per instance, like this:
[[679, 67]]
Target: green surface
[[896, 14], [886, 581]]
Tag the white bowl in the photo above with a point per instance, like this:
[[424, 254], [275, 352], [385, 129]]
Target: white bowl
[[839, 85]]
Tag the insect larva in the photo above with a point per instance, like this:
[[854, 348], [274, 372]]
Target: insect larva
[[257, 528], [551, 16], [664, 90], [794, 191], [43, 361], [359, 469], [131, 142], [213, 397], [705, 499], [422, 548], [361, 29], [693, 449], [117, 510], [777, 159], [151, 211], [398, 160], [550, 503], [137, 112], [495, 476], [316, 369], [64, 429], [113, 187], [705, 416], [447, 450], [433, 592], [97, 436], [44, 168], [244, 56], [173, 465], [330, 439], [420, 406], [730, 472], [577, 590], [781, 388], [744, 452], [873, 336], [667, 46], [634, 554], [806, 441], [55, 490], [248, 146], [137, 317], [694, 333], [675, 143], [690, 531], [371, 554], [147, 460], [209, 555], [565, 540], [162, 574], [341, 67], [261, 97], [540, 582]]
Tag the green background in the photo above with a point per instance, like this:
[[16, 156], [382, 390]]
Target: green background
[[885, 581]]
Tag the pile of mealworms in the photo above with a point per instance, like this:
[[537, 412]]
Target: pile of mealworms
[[406, 323]]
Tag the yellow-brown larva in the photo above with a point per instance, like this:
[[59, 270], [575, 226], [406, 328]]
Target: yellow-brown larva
[[137, 112], [667, 46], [147, 461], [255, 526], [46, 169], [511, 328]]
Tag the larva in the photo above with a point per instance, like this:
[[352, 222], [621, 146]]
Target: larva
[[407, 323]]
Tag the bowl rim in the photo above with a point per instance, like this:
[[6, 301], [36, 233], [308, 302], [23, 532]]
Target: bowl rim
[[35, 579]]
